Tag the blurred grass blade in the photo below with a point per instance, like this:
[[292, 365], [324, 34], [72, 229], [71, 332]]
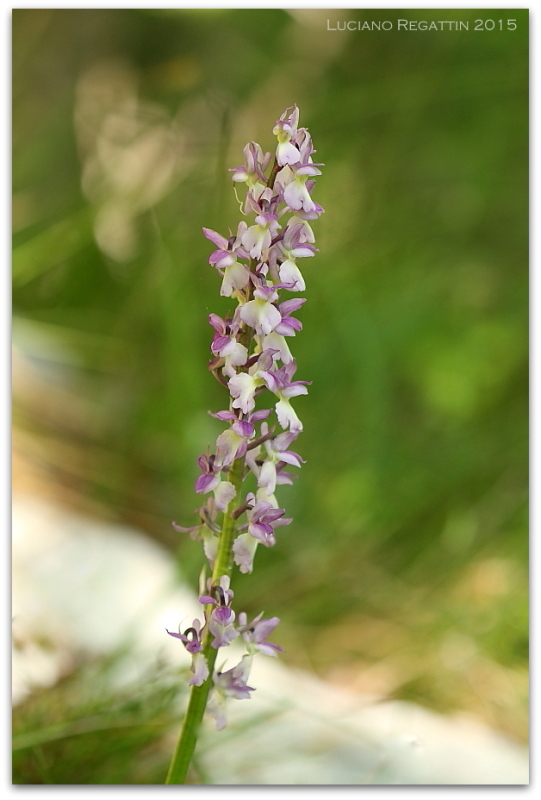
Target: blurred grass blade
[[52, 246]]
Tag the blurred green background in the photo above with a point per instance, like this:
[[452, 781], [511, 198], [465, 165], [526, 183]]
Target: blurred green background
[[405, 571]]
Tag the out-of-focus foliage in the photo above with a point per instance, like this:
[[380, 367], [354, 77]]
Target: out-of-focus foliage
[[405, 570], [76, 734]]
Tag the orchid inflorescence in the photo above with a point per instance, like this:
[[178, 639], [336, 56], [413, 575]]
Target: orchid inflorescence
[[251, 357]]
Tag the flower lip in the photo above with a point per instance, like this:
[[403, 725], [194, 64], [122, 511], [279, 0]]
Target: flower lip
[[223, 614]]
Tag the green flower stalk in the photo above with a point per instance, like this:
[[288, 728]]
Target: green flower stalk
[[252, 359]]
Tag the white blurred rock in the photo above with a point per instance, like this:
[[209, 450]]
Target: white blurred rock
[[83, 586]]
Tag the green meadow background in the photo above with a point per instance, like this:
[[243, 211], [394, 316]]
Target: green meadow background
[[404, 573]]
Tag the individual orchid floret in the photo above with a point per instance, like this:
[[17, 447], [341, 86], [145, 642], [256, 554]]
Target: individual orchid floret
[[260, 313], [278, 455], [232, 683], [292, 244], [235, 275], [255, 633], [191, 639], [227, 248], [291, 247], [263, 519], [225, 344], [296, 193], [233, 443], [301, 217], [222, 257], [210, 481], [289, 325], [303, 140], [236, 278], [242, 388], [253, 169], [219, 592], [283, 178], [270, 479], [279, 382], [222, 616], [252, 172], [278, 448], [257, 238], [286, 130], [210, 478], [220, 241]]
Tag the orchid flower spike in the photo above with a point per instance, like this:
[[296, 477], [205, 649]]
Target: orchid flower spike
[[259, 265]]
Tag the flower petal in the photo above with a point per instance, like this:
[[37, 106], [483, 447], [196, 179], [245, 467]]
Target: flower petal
[[290, 274], [287, 416], [216, 238], [206, 483], [244, 548]]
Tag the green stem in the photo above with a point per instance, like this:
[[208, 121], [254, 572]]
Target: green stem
[[224, 561], [187, 741]]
